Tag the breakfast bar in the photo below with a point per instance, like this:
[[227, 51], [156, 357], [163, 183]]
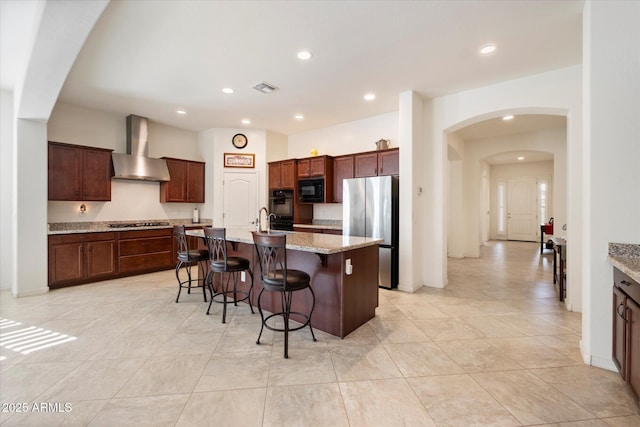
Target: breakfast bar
[[346, 298]]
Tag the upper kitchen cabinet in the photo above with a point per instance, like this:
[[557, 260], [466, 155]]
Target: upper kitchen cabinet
[[377, 163], [342, 169], [79, 173], [282, 175], [317, 166], [187, 182]]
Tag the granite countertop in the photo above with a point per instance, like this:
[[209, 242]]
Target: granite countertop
[[319, 226], [103, 226], [626, 257], [307, 242]]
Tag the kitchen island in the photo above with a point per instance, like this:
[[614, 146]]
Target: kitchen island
[[344, 302]]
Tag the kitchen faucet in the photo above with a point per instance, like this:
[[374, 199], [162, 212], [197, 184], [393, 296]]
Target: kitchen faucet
[[266, 212]]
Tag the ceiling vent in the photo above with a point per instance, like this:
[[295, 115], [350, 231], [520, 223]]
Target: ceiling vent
[[264, 87]]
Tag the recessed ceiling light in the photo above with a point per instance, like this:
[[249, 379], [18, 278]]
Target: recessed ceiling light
[[304, 55], [299, 116], [369, 97], [520, 158], [488, 49], [227, 90], [507, 118], [246, 121], [181, 112]]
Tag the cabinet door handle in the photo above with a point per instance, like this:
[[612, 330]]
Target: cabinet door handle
[[621, 306], [625, 282]]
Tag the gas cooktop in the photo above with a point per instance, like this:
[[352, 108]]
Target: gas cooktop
[[139, 224]]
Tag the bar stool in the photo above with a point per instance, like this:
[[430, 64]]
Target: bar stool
[[219, 262], [276, 277], [186, 258]]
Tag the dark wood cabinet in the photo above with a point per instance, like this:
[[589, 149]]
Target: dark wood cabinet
[[317, 166], [342, 169], [187, 182], [626, 331], [79, 258], [78, 173], [282, 175], [146, 250], [377, 163], [389, 162]]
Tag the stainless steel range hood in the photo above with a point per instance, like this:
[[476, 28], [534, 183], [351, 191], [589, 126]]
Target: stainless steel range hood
[[135, 164]]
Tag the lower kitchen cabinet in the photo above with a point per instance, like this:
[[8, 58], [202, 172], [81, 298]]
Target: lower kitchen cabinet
[[146, 250], [81, 258], [626, 331]]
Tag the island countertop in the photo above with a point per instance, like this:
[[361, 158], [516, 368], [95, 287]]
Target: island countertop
[[626, 257], [307, 242]]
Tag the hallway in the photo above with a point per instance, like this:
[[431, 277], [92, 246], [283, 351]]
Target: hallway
[[495, 348]]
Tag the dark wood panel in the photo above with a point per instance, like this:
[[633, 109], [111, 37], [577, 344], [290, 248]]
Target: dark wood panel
[[633, 349], [139, 234], [176, 189], [619, 331], [96, 175], [365, 165], [146, 245], [64, 172], [65, 262], [101, 259], [146, 262]]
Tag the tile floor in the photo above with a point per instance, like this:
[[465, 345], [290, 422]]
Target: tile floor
[[495, 348]]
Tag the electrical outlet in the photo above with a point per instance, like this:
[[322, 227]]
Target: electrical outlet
[[243, 276], [348, 268]]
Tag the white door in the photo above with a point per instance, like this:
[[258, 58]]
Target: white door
[[239, 199], [522, 218]]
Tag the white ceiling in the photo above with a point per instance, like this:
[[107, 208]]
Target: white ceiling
[[153, 57]]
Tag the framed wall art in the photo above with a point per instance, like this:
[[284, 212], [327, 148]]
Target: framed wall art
[[235, 160]]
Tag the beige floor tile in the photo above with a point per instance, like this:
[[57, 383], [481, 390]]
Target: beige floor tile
[[305, 405], [19, 386], [154, 411], [422, 359], [189, 343], [383, 403], [567, 344], [531, 353], [529, 399], [445, 329], [420, 310], [94, 379], [596, 390], [364, 335], [490, 326], [229, 372], [457, 400], [304, 366], [396, 331], [583, 423], [166, 375], [478, 356], [630, 421], [364, 362], [241, 408]]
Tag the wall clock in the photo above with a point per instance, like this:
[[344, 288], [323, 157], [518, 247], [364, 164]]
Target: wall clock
[[239, 140]]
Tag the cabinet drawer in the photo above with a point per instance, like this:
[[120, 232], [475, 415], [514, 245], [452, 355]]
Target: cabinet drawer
[[627, 285], [55, 239], [145, 262], [145, 246]]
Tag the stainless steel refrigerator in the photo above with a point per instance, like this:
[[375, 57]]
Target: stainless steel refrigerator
[[370, 209]]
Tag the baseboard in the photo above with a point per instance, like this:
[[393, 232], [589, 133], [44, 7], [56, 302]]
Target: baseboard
[[34, 292]]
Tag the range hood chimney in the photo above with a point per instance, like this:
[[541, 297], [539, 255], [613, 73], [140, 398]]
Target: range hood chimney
[[135, 164]]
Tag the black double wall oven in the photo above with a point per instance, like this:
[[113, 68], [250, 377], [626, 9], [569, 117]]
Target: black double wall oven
[[281, 205]]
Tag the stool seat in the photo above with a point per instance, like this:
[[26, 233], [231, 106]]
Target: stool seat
[[296, 280], [194, 255], [233, 264]]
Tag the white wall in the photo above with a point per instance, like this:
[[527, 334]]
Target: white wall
[[130, 200], [6, 188], [346, 138], [214, 143], [611, 56]]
